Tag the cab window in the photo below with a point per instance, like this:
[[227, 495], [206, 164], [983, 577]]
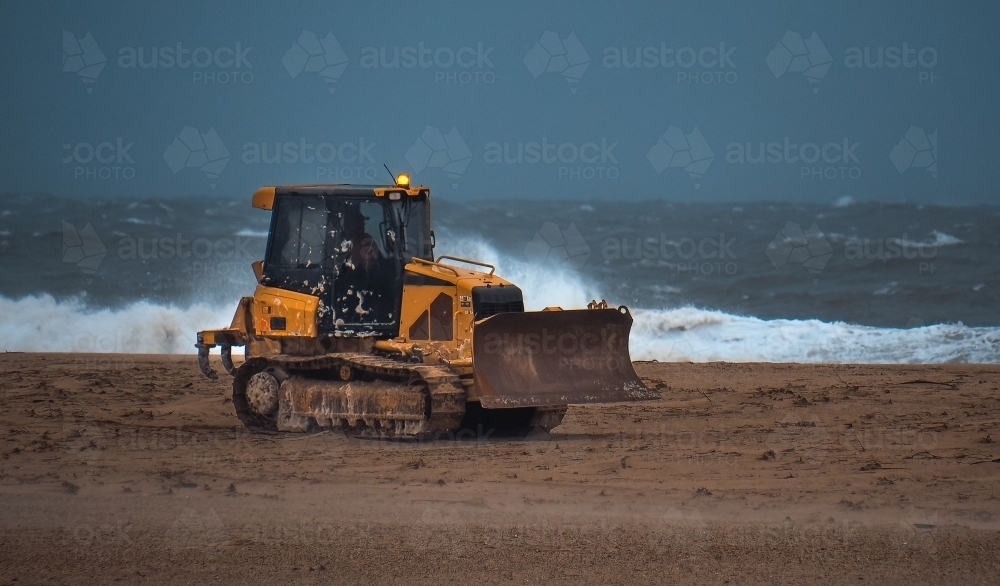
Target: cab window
[[299, 233]]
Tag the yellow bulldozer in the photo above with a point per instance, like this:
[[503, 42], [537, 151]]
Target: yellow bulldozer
[[355, 325]]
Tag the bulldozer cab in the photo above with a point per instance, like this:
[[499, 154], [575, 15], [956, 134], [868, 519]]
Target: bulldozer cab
[[347, 246]]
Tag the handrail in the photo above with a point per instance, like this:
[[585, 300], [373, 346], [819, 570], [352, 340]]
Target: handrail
[[471, 262], [424, 261]]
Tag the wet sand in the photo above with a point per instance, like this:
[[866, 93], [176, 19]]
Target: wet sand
[[134, 469]]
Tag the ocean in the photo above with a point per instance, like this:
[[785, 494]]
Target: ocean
[[780, 282]]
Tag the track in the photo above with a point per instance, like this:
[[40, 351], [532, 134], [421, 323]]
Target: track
[[369, 396], [365, 395]]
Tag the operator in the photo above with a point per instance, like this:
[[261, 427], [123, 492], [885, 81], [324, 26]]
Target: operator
[[364, 252]]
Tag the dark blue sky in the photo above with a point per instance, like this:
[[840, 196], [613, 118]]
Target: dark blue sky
[[496, 83]]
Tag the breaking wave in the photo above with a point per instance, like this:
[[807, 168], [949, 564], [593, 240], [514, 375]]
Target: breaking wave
[[42, 323], [942, 239], [698, 335]]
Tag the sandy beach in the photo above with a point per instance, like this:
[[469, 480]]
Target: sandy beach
[[134, 469]]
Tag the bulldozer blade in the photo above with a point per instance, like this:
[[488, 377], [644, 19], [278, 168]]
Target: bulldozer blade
[[555, 358]]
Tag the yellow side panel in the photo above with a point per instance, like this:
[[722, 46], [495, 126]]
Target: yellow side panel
[[421, 304], [417, 299], [280, 313]]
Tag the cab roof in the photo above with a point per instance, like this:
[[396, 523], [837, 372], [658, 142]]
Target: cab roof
[[263, 198]]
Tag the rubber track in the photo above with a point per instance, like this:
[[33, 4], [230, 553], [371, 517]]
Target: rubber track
[[447, 396]]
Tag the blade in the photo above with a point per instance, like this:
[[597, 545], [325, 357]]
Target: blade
[[555, 358]]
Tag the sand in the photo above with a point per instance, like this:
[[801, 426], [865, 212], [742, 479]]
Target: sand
[[134, 469]]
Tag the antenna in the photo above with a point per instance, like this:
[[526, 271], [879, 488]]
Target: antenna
[[391, 176]]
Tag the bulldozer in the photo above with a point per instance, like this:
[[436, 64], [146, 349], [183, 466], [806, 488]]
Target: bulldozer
[[355, 325]]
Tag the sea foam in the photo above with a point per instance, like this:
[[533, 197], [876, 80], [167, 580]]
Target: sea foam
[[42, 323]]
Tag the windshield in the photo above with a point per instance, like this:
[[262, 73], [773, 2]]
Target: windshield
[[311, 232], [348, 251]]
